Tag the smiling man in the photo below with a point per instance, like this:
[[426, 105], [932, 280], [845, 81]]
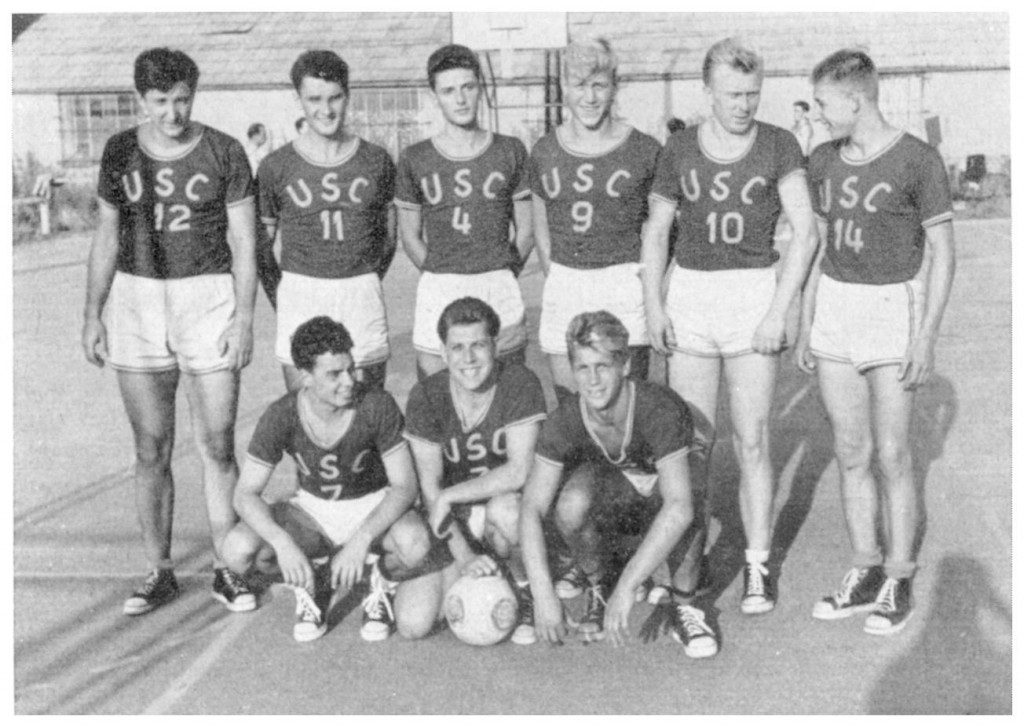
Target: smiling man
[[328, 194], [170, 293], [464, 211]]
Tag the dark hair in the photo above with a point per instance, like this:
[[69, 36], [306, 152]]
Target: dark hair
[[802, 104], [323, 64], [466, 312], [452, 56], [600, 331], [675, 125], [316, 337], [162, 69], [850, 67], [255, 129]]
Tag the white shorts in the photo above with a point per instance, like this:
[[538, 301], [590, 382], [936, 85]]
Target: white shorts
[[338, 520], [497, 288], [715, 313], [865, 325], [570, 291], [162, 325], [357, 303]]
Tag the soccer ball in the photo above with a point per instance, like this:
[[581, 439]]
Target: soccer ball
[[481, 611]]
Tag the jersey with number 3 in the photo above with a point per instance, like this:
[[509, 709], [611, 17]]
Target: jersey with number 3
[[472, 451], [352, 466], [877, 209], [333, 217], [728, 208], [173, 210], [466, 203]]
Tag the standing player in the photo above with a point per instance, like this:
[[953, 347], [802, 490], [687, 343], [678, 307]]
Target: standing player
[[356, 487], [461, 195], [170, 291], [590, 178], [725, 308], [612, 465], [871, 317], [803, 129], [328, 193], [473, 428]]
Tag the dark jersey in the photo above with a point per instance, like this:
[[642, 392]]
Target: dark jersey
[[727, 208], [333, 218], [431, 417], [596, 204], [877, 209], [173, 212], [659, 426], [466, 204], [351, 467]]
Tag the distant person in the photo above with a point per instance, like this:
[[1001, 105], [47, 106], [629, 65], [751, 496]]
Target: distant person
[[259, 145], [802, 128]]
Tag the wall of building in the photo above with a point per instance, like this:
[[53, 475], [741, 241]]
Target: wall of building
[[35, 129]]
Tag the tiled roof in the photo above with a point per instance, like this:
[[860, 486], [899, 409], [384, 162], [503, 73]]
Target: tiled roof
[[254, 50]]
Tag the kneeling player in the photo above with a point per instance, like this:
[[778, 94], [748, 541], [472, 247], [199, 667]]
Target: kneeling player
[[624, 445], [473, 427], [356, 485]]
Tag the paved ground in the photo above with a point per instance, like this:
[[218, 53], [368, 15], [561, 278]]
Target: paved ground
[[76, 554]]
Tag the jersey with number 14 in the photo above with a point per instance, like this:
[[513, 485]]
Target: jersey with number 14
[[877, 209], [466, 203], [596, 203], [333, 217], [728, 208]]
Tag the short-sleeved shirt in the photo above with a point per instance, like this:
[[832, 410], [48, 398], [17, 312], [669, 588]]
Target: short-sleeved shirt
[[466, 203], [351, 467], [877, 209], [659, 427], [728, 208], [333, 217], [173, 211], [473, 451], [596, 204]]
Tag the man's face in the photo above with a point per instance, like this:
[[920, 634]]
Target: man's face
[[590, 98], [837, 108], [323, 105], [169, 111], [332, 380], [798, 113], [260, 138], [735, 96], [470, 352], [457, 92], [599, 376]]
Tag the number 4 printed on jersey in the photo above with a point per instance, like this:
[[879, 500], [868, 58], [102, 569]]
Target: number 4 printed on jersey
[[460, 220], [847, 234]]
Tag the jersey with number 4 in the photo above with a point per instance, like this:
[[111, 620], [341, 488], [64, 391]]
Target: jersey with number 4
[[877, 209], [474, 450], [333, 217], [466, 203], [596, 203], [352, 466], [728, 208], [173, 210]]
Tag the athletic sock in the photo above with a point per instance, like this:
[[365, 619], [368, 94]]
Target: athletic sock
[[900, 569], [756, 556]]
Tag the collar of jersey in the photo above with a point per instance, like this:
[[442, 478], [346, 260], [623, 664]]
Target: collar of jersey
[[591, 155], [867, 160], [183, 153], [452, 157], [302, 408], [720, 160], [470, 426], [328, 165], [629, 427]]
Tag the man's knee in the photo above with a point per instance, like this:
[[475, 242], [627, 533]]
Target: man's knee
[[853, 451], [411, 541], [153, 452], [894, 459], [752, 443], [242, 547], [576, 499], [502, 515], [217, 446]]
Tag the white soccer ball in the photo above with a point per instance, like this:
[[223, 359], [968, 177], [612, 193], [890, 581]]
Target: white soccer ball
[[481, 611]]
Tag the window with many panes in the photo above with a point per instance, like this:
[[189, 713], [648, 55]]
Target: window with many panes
[[87, 120], [388, 117]]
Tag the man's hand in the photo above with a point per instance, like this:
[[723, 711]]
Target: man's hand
[[770, 335], [236, 344], [918, 362], [94, 341], [347, 564], [439, 510], [805, 360], [481, 565], [660, 331], [548, 621], [296, 570], [616, 615]]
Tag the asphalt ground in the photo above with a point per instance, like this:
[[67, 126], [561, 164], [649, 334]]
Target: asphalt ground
[[77, 552]]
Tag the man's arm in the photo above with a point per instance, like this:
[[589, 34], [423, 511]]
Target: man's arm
[[796, 202], [541, 232], [654, 258], [522, 219], [430, 468], [237, 342], [920, 357], [347, 564], [804, 359], [100, 276], [387, 255], [267, 268], [538, 497], [410, 232]]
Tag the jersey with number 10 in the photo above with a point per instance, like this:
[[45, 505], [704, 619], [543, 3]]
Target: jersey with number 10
[[466, 203], [728, 208], [333, 217], [596, 203], [877, 209]]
